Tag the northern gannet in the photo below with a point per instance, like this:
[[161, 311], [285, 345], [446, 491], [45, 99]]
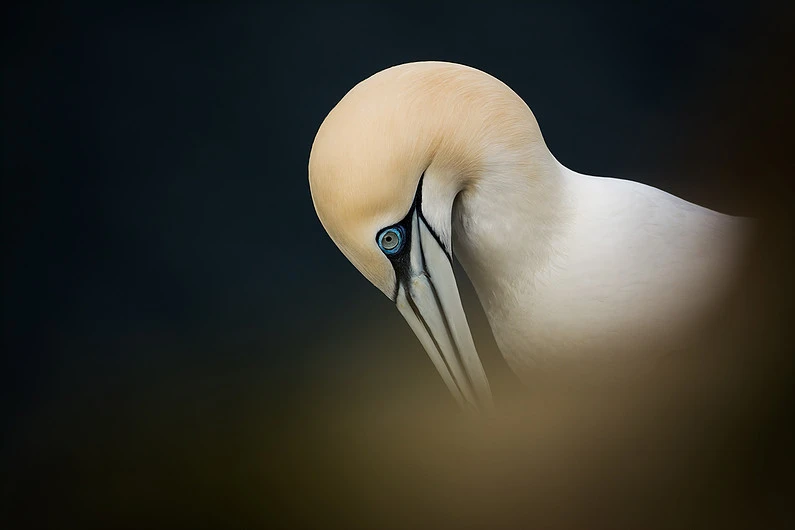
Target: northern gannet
[[425, 159]]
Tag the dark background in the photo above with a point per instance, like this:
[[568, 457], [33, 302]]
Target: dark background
[[175, 321]]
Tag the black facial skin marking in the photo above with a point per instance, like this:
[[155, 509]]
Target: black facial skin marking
[[436, 343], [401, 261]]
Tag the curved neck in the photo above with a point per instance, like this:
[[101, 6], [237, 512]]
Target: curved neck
[[590, 257], [506, 224]]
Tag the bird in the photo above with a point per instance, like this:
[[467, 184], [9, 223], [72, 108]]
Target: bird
[[426, 162]]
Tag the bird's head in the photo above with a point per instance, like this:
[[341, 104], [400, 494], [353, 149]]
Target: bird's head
[[386, 167]]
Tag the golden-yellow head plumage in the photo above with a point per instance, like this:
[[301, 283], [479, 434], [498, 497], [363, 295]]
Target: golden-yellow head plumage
[[564, 264], [450, 121]]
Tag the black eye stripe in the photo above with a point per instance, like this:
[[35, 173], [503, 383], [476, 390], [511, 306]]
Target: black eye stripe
[[400, 258]]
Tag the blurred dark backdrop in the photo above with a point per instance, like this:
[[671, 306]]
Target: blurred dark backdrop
[[171, 306]]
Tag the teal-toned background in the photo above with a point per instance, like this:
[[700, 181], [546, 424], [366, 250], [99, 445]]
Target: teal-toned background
[[184, 347]]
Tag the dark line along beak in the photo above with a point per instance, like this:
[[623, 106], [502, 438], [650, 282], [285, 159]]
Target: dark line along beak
[[428, 298]]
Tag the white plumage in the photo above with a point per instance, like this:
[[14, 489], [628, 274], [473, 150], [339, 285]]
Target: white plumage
[[566, 266], [624, 268]]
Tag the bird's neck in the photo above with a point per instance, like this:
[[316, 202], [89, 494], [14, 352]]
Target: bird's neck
[[554, 253], [507, 224]]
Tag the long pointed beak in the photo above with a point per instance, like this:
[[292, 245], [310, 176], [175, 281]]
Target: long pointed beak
[[429, 301]]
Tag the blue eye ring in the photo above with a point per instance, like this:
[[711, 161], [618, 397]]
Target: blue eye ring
[[391, 239]]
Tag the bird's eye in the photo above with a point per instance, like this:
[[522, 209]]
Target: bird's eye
[[391, 240]]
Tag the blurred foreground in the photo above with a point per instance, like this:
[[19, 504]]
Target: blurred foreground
[[704, 440]]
